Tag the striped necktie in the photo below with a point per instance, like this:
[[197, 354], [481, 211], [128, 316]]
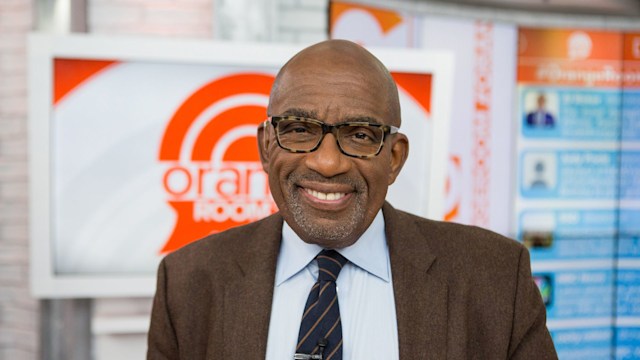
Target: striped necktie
[[320, 335]]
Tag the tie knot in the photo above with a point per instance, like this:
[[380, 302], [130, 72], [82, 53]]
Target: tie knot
[[330, 262]]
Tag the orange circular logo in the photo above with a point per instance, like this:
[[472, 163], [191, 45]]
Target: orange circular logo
[[213, 177]]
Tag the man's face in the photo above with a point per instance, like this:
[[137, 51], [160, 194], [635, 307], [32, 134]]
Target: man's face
[[541, 101], [329, 198]]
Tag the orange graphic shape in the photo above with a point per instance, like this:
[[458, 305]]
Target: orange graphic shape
[[209, 94], [245, 149], [553, 43], [544, 57], [69, 73], [240, 150], [188, 230], [632, 46], [452, 213], [416, 85], [387, 19], [631, 64]]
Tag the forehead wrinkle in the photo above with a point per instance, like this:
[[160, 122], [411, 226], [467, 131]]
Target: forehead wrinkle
[[295, 85], [347, 119]]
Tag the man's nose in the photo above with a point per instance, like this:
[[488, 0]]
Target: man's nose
[[327, 160]]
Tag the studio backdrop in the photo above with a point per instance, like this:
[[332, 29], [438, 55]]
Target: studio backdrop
[[140, 146]]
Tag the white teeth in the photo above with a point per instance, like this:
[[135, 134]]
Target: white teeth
[[325, 196]]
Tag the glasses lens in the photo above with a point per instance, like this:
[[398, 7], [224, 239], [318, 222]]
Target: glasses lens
[[360, 140], [298, 135]]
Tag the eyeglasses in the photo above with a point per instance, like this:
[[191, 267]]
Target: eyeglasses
[[356, 139]]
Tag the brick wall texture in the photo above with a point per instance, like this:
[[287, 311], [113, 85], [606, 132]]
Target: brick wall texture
[[301, 21], [18, 310], [185, 18]]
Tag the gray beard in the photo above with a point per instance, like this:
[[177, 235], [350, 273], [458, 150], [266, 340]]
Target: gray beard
[[323, 234]]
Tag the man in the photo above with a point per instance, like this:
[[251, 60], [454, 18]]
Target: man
[[540, 117], [409, 288]]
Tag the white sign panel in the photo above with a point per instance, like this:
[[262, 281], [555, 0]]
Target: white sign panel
[[139, 146]]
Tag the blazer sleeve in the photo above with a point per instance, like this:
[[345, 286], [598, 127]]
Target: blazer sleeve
[[162, 342], [530, 338]]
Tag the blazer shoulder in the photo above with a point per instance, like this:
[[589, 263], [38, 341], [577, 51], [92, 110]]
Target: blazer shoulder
[[458, 232], [465, 245]]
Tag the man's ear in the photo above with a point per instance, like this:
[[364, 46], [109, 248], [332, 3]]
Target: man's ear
[[264, 139], [399, 153]]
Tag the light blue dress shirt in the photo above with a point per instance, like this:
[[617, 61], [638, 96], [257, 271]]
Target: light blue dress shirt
[[365, 296]]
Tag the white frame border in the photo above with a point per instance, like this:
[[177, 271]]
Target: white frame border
[[44, 48]]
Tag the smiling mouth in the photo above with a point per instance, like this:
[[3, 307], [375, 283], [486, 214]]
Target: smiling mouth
[[325, 196]]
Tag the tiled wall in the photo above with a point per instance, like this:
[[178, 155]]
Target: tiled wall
[[18, 311]]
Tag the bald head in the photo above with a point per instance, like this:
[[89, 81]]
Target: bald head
[[335, 64], [327, 196]]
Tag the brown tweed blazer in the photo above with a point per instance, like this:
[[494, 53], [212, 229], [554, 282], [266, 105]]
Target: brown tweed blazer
[[461, 293]]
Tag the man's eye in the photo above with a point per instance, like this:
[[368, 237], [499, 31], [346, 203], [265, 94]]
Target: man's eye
[[294, 128], [361, 134]]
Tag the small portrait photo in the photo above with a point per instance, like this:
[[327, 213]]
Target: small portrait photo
[[545, 285], [539, 171], [537, 229], [541, 109], [537, 239]]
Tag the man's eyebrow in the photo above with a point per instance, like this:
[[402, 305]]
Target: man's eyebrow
[[367, 119], [314, 115], [300, 113]]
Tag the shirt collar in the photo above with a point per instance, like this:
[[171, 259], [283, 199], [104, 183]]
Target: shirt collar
[[369, 253]]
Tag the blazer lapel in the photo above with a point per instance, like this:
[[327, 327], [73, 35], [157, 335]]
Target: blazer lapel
[[420, 295], [248, 295]]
